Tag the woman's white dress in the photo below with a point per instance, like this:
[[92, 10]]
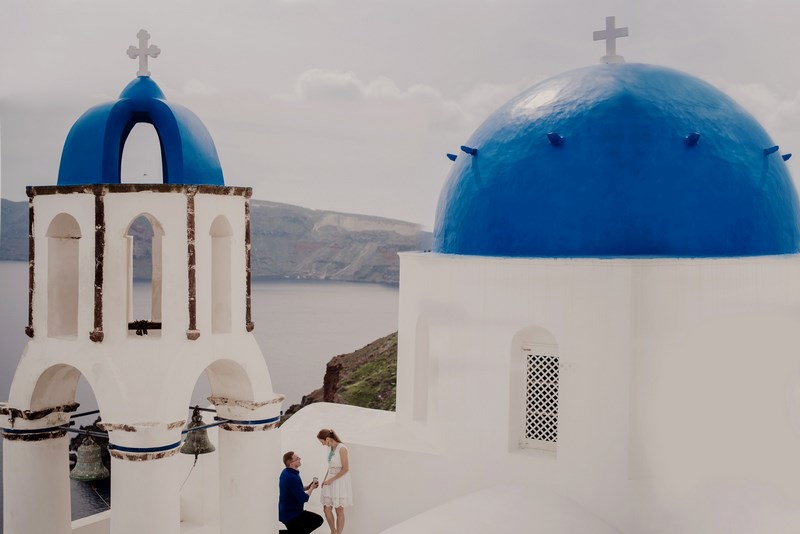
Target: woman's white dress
[[340, 491]]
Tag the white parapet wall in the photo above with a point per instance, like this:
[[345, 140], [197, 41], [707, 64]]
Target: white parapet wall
[[94, 524]]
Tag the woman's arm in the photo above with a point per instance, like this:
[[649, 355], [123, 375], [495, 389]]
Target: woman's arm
[[345, 463]]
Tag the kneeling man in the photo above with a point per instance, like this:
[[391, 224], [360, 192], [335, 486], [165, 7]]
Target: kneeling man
[[293, 496]]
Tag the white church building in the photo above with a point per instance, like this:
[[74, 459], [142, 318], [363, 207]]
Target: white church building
[[604, 338]]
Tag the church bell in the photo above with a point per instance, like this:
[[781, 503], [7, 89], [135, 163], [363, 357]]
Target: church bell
[[197, 441], [89, 465]]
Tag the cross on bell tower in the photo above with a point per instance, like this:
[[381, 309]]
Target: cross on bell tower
[[610, 35], [143, 52]]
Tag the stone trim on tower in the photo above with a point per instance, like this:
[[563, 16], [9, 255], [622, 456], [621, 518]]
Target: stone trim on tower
[[248, 314], [52, 418], [192, 333], [144, 454], [33, 434], [250, 426], [96, 334], [127, 441], [238, 418], [33, 415], [33, 190], [31, 265], [246, 404]]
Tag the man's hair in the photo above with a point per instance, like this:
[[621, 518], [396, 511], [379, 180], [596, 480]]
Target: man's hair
[[287, 458]]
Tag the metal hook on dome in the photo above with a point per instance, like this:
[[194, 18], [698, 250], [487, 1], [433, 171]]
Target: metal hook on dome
[[770, 150], [469, 150], [451, 157], [692, 138], [555, 139]]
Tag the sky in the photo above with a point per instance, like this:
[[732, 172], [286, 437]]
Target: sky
[[352, 105]]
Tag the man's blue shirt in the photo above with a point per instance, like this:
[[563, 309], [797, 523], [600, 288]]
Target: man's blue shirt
[[292, 496]]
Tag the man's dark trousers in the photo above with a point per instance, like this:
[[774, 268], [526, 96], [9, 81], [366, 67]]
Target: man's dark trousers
[[305, 523]]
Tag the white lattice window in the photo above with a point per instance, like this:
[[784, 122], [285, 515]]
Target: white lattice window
[[541, 400]]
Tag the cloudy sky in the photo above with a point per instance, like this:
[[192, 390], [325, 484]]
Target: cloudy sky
[[351, 105]]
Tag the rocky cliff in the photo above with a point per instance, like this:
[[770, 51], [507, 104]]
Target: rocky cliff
[[287, 242], [366, 377]]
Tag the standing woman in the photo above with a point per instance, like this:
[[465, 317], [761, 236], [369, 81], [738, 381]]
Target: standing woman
[[337, 491]]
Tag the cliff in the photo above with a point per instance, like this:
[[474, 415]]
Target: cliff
[[294, 242], [287, 242], [366, 377]]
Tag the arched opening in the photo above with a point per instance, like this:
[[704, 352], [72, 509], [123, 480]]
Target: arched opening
[[145, 269], [62, 276], [229, 379], [62, 385], [222, 379], [141, 161], [534, 379], [221, 235]]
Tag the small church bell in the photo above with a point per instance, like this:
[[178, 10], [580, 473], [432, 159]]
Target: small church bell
[[89, 465], [197, 441]]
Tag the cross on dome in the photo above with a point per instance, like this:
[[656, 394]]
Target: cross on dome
[[143, 52], [610, 35]]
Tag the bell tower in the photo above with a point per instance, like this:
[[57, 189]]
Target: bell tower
[[142, 369]]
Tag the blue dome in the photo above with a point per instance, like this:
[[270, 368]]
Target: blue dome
[[93, 150], [620, 178]]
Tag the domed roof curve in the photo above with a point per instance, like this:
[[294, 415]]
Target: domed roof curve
[[624, 176], [92, 152]]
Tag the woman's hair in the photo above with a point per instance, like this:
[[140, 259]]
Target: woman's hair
[[328, 433]]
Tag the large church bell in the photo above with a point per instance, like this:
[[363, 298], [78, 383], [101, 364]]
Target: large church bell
[[89, 465], [197, 441]]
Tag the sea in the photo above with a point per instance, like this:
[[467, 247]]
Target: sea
[[300, 325]]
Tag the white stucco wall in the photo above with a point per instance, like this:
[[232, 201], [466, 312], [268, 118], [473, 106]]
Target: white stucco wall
[[679, 391], [477, 311], [716, 396]]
